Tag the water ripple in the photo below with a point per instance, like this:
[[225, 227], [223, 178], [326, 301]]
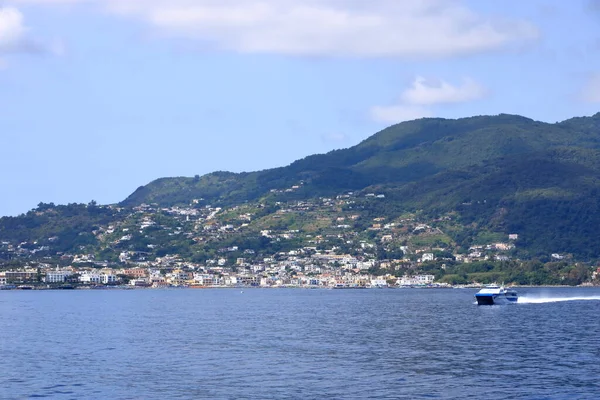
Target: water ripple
[[296, 344]]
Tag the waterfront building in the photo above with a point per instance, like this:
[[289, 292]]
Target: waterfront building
[[56, 276]]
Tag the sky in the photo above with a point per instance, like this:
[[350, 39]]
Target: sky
[[98, 97]]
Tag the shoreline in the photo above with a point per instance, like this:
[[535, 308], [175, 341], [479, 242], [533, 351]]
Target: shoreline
[[130, 287]]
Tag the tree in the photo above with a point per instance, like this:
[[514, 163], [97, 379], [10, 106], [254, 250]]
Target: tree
[[45, 206]]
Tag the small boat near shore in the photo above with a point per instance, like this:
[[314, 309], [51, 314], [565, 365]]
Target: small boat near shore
[[494, 294]]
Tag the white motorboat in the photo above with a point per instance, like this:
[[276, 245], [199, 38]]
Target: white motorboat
[[494, 294]]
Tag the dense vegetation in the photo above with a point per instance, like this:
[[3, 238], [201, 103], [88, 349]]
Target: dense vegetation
[[65, 227]]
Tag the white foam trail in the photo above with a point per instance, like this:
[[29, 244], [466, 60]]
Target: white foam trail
[[539, 300]]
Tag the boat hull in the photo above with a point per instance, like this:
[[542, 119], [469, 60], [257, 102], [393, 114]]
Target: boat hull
[[490, 300]]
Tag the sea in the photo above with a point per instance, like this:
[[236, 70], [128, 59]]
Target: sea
[[298, 344]]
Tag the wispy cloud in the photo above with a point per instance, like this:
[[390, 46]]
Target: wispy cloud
[[354, 28], [416, 101], [591, 91], [15, 36], [424, 92], [12, 30]]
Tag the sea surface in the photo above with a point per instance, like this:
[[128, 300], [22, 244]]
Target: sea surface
[[298, 344]]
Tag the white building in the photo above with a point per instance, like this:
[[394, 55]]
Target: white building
[[56, 276], [378, 282], [139, 282], [178, 277], [230, 280], [416, 280], [427, 257], [90, 278], [109, 278], [208, 280], [425, 279]]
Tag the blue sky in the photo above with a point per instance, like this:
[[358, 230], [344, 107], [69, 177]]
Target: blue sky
[[98, 97]]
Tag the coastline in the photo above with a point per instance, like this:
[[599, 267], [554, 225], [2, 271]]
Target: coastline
[[12, 287]]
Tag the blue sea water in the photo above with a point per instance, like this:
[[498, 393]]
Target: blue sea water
[[298, 344]]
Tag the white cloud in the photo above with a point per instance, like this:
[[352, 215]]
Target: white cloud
[[591, 91], [425, 92], [374, 28], [416, 101], [15, 37], [12, 30]]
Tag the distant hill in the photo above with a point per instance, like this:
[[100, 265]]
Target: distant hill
[[405, 153], [503, 174]]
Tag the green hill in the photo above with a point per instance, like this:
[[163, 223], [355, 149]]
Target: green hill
[[505, 173], [403, 153], [500, 174]]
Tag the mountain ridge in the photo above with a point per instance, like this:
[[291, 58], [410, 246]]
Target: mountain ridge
[[492, 175], [401, 153], [510, 162]]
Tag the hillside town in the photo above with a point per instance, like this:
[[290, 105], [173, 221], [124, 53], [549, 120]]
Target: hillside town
[[197, 277], [325, 242]]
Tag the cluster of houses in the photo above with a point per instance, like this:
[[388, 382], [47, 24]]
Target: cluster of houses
[[200, 277], [338, 247]]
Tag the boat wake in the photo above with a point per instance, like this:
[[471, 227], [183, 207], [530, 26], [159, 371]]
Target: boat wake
[[539, 300]]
